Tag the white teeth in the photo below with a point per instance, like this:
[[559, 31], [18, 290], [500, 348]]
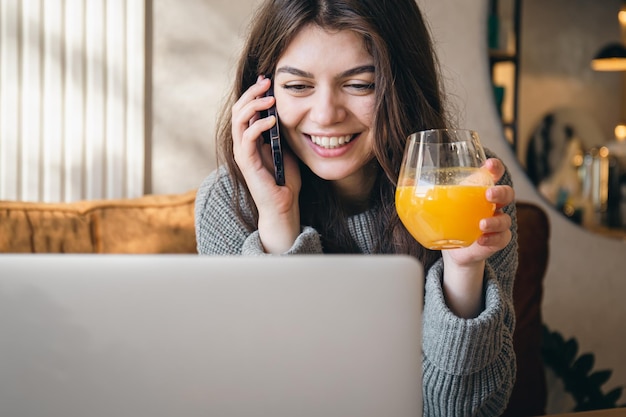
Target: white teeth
[[330, 142]]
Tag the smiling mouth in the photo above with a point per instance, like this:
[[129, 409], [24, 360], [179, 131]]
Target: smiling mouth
[[332, 142]]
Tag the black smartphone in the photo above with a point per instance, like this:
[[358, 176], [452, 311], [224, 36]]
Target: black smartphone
[[272, 137]]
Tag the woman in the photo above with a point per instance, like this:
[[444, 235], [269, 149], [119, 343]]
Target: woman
[[352, 79]]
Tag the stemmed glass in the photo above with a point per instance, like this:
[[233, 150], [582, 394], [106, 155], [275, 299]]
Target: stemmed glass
[[441, 192]]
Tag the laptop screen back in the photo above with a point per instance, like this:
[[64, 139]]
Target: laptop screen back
[[178, 335]]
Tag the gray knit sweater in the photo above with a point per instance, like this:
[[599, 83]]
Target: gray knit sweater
[[469, 365]]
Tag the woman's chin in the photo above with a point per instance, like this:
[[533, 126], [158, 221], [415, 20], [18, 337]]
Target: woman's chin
[[329, 172]]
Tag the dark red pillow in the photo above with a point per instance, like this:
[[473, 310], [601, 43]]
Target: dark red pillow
[[529, 392]]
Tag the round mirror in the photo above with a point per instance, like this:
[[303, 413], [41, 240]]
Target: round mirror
[[561, 115]]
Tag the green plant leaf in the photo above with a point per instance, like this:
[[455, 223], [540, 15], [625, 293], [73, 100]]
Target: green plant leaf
[[569, 351], [585, 388], [600, 377], [612, 396], [583, 364]]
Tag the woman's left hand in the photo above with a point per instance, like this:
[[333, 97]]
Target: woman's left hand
[[464, 268]]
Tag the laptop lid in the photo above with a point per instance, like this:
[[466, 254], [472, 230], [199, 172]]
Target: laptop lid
[[187, 335]]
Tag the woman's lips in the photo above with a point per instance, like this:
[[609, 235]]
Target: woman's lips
[[331, 142]]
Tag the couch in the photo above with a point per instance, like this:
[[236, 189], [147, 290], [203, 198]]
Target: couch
[[165, 224], [148, 224]]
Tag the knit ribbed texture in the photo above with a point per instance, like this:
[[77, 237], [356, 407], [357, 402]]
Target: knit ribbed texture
[[469, 365]]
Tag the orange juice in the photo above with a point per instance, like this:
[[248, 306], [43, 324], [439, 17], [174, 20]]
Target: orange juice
[[443, 216]]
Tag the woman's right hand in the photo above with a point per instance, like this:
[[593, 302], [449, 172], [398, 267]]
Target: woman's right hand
[[279, 212]]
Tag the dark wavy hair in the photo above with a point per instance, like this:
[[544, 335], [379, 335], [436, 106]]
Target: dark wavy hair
[[408, 97]]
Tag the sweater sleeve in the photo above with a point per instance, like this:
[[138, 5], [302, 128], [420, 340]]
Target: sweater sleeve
[[219, 230], [469, 364]]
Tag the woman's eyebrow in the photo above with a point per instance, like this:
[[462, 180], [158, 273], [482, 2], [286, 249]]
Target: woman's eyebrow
[[348, 73], [294, 71], [358, 70]]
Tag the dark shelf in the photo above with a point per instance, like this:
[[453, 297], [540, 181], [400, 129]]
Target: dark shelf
[[496, 56]]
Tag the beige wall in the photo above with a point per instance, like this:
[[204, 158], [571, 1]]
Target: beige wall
[[194, 50], [195, 44]]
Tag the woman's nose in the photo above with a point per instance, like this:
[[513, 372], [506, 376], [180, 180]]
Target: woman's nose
[[327, 108]]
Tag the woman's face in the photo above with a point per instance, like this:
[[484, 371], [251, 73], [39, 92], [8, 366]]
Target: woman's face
[[324, 89]]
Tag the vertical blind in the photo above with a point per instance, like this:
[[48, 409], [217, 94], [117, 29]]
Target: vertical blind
[[71, 99]]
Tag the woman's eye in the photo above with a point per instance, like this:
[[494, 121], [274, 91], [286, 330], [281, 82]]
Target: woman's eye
[[356, 87], [296, 87], [362, 86]]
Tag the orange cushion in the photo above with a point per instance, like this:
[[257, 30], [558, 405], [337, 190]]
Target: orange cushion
[[147, 224]]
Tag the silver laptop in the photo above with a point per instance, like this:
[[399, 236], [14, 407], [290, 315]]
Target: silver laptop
[[187, 335]]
